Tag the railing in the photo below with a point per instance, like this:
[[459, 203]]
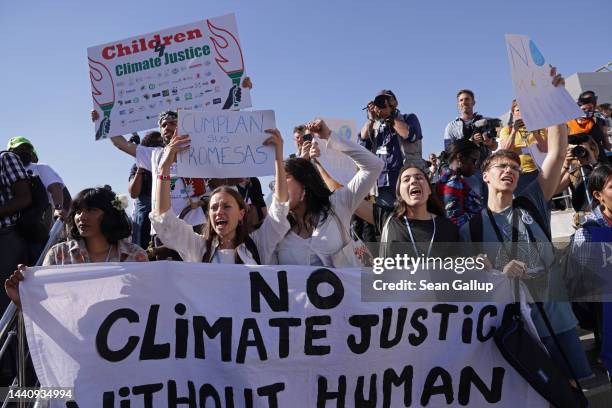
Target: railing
[[12, 324]]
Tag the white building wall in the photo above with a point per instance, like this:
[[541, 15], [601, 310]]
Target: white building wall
[[599, 82]]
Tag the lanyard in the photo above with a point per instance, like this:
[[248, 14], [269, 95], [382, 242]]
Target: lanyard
[[500, 238], [416, 251]]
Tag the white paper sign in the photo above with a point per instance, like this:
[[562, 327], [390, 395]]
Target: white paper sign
[[226, 144], [147, 334], [542, 104], [196, 66], [341, 167]]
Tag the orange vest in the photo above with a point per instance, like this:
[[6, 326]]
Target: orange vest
[[584, 127]]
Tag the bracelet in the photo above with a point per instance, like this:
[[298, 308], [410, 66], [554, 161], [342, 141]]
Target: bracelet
[[162, 177]]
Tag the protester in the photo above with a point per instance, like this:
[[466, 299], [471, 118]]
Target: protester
[[225, 236], [57, 201], [418, 218], [139, 187], [460, 201], [395, 138], [530, 146], [98, 231], [587, 271], [591, 123], [52, 181], [15, 195], [464, 127], [525, 220], [320, 219], [186, 193]]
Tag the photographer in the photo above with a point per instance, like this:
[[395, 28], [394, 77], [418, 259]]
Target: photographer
[[580, 159], [395, 138], [473, 126], [591, 123], [530, 146]]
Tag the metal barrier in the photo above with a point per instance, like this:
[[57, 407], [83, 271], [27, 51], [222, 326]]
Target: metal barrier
[[12, 325]]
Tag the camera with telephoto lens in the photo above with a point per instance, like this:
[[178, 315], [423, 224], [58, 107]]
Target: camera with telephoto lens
[[579, 152], [485, 126]]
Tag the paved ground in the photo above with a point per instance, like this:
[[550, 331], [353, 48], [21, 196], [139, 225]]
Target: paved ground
[[598, 389]]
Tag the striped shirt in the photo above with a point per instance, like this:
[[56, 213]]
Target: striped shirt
[[11, 171]]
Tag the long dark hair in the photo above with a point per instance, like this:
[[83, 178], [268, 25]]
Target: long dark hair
[[115, 223], [242, 230], [434, 206], [598, 179], [316, 193]]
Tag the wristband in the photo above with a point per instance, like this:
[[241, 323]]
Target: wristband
[[162, 177]]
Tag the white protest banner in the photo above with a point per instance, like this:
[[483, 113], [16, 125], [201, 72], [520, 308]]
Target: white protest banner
[[204, 335], [541, 103], [194, 66], [226, 144], [341, 167]]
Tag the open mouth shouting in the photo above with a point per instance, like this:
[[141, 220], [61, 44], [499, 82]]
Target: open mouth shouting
[[507, 179], [220, 223], [415, 192]]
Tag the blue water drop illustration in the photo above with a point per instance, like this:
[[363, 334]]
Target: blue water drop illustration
[[536, 55]]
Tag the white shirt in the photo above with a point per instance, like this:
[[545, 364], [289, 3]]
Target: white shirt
[[327, 237], [224, 256], [178, 235], [148, 158], [47, 175]]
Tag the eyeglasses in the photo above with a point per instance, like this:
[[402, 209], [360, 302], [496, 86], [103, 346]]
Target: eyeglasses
[[504, 166]]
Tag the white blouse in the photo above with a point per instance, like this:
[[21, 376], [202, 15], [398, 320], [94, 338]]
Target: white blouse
[[178, 235], [327, 238]]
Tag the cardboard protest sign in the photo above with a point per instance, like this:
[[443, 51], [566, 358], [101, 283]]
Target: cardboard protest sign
[[341, 167], [161, 333], [195, 66], [541, 103], [226, 144]]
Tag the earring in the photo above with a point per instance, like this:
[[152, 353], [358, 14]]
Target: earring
[[303, 195]]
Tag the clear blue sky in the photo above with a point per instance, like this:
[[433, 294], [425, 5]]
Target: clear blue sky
[[306, 58]]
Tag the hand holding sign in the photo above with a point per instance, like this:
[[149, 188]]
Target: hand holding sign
[[543, 103], [177, 144]]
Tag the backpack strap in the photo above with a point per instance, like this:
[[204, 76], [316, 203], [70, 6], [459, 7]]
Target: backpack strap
[[476, 231], [526, 204]]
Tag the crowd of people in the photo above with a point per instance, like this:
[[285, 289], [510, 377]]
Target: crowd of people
[[493, 183]]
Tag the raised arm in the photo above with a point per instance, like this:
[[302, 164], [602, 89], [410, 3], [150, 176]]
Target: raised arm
[[313, 153], [551, 168], [118, 141], [280, 182], [557, 146], [365, 211], [368, 164]]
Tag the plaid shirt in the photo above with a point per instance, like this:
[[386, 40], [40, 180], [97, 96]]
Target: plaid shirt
[[582, 242], [460, 201], [11, 171], [75, 252]]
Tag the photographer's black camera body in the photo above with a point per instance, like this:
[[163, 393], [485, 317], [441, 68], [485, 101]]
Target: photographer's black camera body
[[485, 126]]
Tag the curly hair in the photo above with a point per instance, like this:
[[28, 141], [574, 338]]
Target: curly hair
[[115, 224]]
